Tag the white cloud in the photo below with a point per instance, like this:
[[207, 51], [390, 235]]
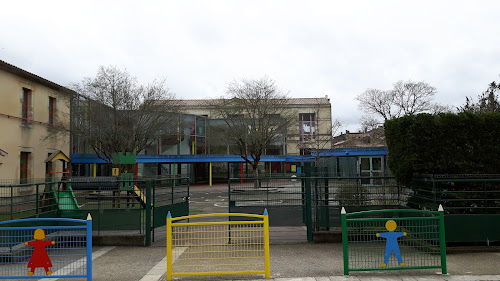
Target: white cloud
[[311, 48]]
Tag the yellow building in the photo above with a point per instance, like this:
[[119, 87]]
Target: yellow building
[[31, 106], [313, 129]]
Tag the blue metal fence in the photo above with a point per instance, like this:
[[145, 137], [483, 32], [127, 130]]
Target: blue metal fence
[[46, 248]]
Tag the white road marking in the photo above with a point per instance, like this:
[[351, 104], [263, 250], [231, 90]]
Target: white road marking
[[161, 268], [72, 267]]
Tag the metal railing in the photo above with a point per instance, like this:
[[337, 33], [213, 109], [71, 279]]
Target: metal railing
[[460, 194], [416, 237], [329, 194], [66, 245], [116, 205], [218, 248]]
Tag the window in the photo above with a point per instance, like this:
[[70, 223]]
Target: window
[[52, 108], [307, 127], [48, 168], [26, 105], [305, 151], [371, 167], [24, 167]]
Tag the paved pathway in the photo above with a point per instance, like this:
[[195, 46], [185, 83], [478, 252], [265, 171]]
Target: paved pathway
[[288, 263]]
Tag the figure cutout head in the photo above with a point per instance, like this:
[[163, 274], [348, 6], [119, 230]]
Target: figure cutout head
[[39, 234], [390, 225]]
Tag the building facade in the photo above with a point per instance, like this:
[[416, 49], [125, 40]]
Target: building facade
[[195, 150], [31, 106]]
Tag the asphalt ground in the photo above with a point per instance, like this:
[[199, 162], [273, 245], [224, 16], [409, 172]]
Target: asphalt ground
[[289, 261]]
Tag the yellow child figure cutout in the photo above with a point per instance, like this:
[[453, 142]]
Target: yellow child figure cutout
[[39, 258], [392, 242]]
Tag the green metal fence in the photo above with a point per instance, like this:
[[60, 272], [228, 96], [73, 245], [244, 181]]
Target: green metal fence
[[472, 200], [131, 207], [313, 202], [284, 198], [393, 240], [329, 194]]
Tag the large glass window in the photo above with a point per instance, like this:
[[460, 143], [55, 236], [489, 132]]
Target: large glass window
[[307, 127]]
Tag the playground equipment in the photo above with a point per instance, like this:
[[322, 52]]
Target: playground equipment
[[65, 199]]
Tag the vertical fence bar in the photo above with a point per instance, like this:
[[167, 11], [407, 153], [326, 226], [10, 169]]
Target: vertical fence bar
[[266, 245], [148, 214], [37, 198], [169, 246], [345, 250], [99, 208], [309, 210], [229, 194], [89, 247], [11, 202], [442, 240], [327, 201], [153, 203]]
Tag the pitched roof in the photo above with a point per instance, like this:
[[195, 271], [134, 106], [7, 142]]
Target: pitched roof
[[33, 77]]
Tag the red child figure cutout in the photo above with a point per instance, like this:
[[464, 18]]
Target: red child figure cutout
[[39, 258]]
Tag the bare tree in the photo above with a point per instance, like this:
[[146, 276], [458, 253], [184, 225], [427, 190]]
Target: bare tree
[[256, 114], [368, 123], [378, 102], [406, 98], [113, 112]]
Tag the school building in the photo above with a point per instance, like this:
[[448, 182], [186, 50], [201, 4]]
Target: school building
[[29, 147], [28, 112]]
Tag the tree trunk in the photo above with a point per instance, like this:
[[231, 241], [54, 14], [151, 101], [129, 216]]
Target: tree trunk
[[256, 172]]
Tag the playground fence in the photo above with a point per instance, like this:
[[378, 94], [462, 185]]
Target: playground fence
[[421, 247], [70, 255], [115, 205], [218, 247]]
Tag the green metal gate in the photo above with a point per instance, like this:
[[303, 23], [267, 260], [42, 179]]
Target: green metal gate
[[284, 198], [415, 237]]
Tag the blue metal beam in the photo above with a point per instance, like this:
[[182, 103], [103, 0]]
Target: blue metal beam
[[90, 158]]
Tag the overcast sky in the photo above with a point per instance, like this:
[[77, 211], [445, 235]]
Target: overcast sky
[[311, 48]]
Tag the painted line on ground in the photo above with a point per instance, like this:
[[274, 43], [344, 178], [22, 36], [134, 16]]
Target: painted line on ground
[[73, 266], [161, 268]]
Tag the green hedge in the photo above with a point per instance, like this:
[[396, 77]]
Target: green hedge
[[464, 143]]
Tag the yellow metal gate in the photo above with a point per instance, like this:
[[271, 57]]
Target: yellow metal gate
[[218, 247]]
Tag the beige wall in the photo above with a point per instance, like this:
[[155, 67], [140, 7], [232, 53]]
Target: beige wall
[[323, 130], [324, 123], [17, 137]]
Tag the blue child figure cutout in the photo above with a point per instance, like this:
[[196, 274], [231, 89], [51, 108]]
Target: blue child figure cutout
[[392, 242]]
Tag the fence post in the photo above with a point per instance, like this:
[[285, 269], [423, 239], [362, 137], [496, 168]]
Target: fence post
[[345, 250], [309, 210], [442, 240], [148, 213], [266, 244], [327, 200], [11, 202], [169, 246], [89, 247], [37, 198]]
